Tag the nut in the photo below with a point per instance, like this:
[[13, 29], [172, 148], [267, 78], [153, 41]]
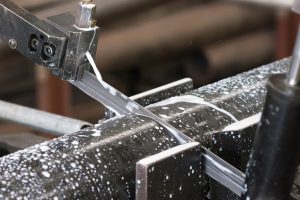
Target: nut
[[93, 23]]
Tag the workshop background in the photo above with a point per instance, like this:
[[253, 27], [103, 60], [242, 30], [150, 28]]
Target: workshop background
[[146, 44]]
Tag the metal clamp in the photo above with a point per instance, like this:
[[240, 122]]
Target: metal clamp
[[180, 171], [55, 43]]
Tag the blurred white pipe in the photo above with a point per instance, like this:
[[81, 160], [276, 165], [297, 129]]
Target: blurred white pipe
[[275, 3], [296, 6]]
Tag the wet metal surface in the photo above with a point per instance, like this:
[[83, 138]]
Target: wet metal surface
[[158, 94], [99, 162], [172, 174], [233, 147]]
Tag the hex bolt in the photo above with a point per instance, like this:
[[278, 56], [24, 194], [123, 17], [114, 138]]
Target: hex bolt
[[49, 50], [12, 43], [34, 43]]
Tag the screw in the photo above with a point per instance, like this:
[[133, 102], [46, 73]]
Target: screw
[[49, 50], [12, 43], [93, 23]]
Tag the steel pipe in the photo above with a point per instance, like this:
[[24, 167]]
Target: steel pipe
[[43, 121]]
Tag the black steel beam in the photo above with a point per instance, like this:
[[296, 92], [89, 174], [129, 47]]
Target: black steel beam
[[99, 162]]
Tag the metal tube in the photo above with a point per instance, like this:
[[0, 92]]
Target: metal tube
[[40, 120]]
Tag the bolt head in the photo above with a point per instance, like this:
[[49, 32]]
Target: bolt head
[[12, 43], [34, 43], [49, 51]]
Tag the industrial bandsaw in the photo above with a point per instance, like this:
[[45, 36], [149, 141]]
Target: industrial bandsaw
[[234, 139]]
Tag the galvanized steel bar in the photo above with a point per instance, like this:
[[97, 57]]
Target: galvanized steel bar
[[43, 121]]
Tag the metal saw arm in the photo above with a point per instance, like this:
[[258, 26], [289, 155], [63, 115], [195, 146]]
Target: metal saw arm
[[59, 42]]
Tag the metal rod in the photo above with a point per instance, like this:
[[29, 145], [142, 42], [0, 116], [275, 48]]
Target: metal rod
[[40, 120], [274, 3], [293, 76], [274, 158]]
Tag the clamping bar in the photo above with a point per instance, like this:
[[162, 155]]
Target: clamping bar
[[34, 38]]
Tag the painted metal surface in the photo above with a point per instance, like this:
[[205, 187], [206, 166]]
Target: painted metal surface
[[99, 162]]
